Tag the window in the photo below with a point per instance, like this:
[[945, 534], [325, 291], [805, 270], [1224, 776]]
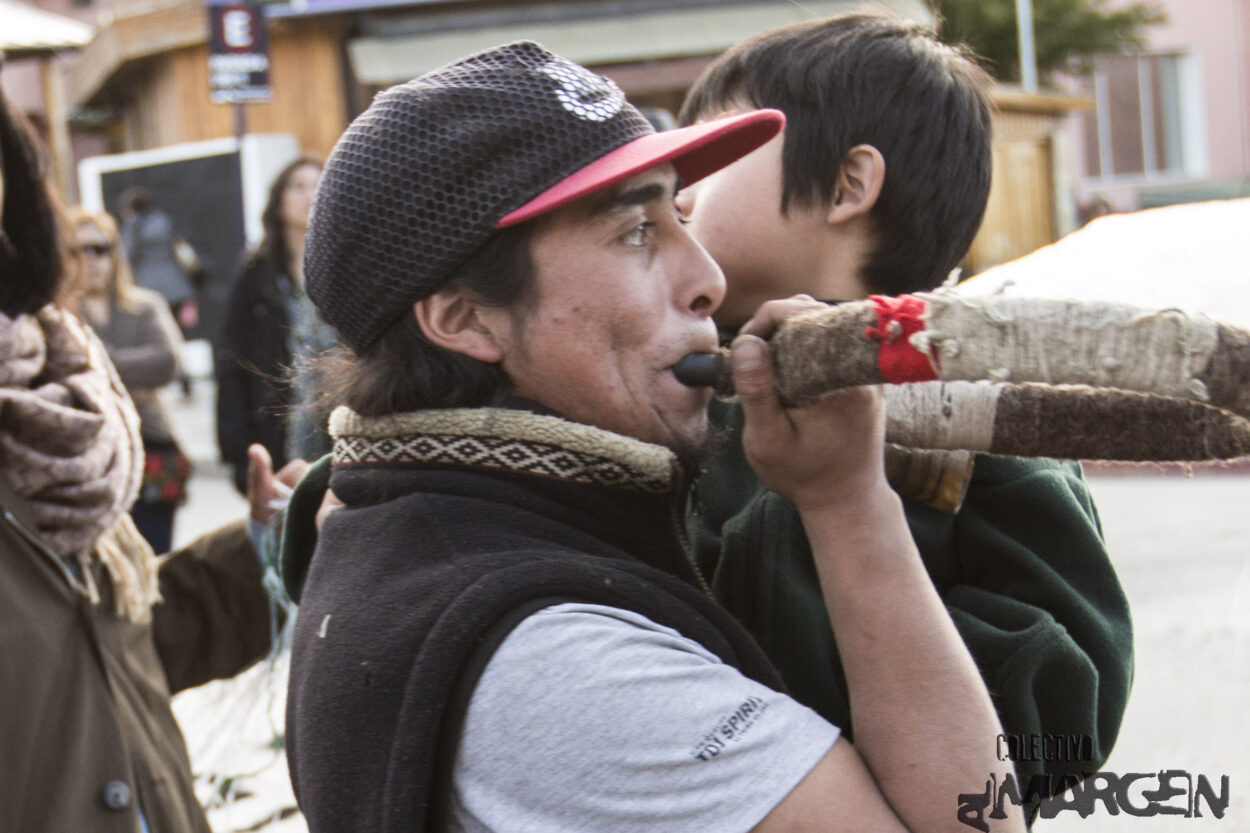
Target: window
[[1144, 122]]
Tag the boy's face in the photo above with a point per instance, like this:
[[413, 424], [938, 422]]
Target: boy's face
[[736, 214], [622, 293]]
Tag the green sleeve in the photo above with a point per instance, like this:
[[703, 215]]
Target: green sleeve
[[1024, 571], [1022, 568], [299, 526]]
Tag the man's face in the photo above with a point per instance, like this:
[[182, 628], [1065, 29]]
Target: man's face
[[622, 293]]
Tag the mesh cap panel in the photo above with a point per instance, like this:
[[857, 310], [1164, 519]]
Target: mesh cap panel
[[420, 179]]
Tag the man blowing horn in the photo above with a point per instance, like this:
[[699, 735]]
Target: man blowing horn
[[502, 628]]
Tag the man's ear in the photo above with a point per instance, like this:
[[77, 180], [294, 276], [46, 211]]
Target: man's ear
[[858, 185], [452, 318]]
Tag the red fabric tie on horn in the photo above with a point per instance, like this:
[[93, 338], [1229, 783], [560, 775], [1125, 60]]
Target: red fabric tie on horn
[[897, 319]]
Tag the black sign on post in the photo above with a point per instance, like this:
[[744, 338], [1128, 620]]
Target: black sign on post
[[238, 53]]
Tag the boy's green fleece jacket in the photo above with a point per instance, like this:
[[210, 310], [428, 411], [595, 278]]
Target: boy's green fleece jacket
[[1022, 568]]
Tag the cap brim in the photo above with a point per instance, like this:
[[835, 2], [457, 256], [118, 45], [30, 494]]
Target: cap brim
[[695, 152]]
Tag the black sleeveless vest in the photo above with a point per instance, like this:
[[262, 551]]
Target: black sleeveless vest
[[421, 576]]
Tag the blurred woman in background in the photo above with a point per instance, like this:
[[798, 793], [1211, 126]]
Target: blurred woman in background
[[144, 344], [271, 329]]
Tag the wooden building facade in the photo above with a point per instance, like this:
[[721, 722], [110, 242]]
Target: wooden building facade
[[1031, 202], [143, 81]]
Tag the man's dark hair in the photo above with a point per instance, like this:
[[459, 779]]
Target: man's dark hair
[[32, 257], [273, 242], [880, 81], [404, 371]]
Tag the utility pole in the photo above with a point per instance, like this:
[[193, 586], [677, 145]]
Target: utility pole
[[59, 149], [1028, 57]]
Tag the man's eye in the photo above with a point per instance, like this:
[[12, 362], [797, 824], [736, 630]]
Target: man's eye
[[637, 236]]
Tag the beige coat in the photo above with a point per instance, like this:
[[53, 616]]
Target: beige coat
[[86, 732]]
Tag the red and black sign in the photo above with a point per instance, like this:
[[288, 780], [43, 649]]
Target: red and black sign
[[238, 53]]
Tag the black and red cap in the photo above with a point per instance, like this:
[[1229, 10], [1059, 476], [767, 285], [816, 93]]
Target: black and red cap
[[434, 167]]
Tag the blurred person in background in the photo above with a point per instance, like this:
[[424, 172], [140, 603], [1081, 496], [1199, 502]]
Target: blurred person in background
[[152, 248], [95, 630], [144, 344], [271, 329], [1098, 206]]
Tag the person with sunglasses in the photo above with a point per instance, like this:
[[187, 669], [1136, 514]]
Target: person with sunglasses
[[143, 343]]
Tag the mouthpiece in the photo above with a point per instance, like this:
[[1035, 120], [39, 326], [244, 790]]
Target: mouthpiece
[[699, 370]]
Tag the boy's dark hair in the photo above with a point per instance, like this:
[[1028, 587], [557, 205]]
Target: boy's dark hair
[[32, 255], [402, 370], [881, 81], [273, 242]]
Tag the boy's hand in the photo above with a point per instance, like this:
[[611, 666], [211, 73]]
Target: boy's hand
[[772, 314], [265, 489], [821, 456]]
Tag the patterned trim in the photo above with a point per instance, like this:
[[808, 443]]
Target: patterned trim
[[503, 440]]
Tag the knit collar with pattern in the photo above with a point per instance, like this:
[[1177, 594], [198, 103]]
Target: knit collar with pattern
[[506, 441], [602, 487]]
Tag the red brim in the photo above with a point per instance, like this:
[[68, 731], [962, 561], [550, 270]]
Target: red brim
[[695, 152]]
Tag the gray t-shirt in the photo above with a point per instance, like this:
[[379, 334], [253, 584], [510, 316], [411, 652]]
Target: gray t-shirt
[[591, 718]]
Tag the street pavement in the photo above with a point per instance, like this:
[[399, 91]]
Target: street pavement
[[233, 728], [211, 496], [1182, 548]]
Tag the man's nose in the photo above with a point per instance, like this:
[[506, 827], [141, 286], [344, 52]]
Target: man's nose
[[702, 287]]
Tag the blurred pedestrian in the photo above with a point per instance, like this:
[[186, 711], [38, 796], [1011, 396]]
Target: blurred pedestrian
[[152, 249], [271, 329], [1098, 206], [95, 631], [144, 344]]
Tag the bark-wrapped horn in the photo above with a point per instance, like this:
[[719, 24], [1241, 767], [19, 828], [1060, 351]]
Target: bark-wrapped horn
[[1029, 377]]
